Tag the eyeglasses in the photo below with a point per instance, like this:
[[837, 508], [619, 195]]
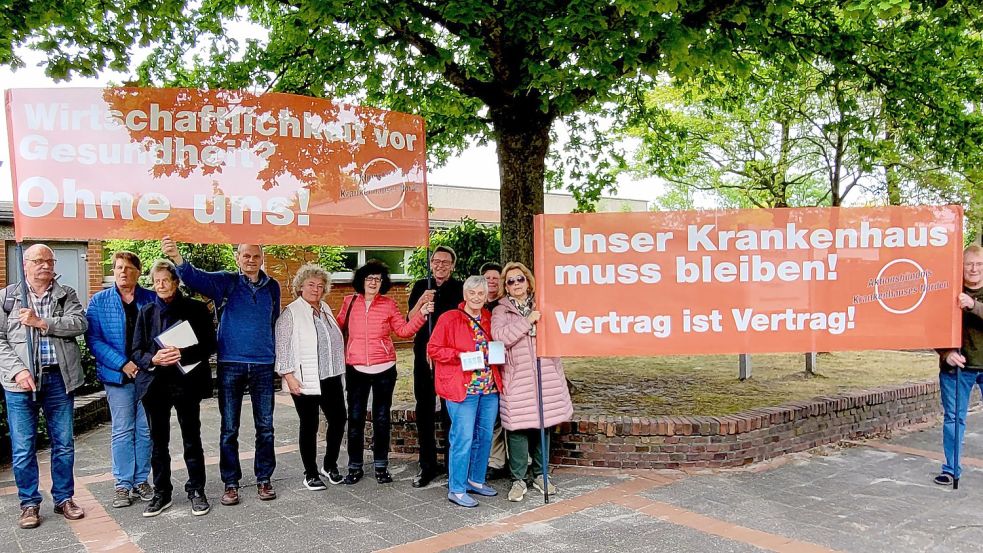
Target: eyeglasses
[[39, 262], [515, 280], [441, 262], [976, 265], [373, 278]]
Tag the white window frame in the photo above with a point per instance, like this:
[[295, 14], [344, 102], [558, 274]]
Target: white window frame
[[347, 276]]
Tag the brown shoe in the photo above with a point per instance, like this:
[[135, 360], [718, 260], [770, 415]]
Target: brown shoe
[[266, 491], [231, 496], [30, 517], [69, 509]]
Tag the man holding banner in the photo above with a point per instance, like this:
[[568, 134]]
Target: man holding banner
[[248, 303], [54, 318], [956, 386], [446, 293]]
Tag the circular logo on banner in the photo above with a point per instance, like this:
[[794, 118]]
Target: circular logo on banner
[[383, 184], [884, 274]]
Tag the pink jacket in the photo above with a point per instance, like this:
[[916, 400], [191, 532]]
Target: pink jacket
[[369, 342], [518, 398]]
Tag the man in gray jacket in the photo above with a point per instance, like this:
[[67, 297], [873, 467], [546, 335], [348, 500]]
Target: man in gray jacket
[[54, 317]]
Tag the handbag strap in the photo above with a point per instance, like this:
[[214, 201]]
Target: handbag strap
[[348, 319], [476, 322]]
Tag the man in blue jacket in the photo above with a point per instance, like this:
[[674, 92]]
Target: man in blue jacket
[[248, 303], [112, 316]]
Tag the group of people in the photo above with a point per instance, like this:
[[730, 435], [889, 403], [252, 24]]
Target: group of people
[[329, 362]]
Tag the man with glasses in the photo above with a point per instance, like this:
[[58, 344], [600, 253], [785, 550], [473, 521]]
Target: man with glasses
[[446, 293], [54, 317], [969, 358]]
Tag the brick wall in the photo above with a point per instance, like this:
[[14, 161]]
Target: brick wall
[[94, 266], [3, 263], [730, 441]]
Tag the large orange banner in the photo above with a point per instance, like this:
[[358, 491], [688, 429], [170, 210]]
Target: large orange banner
[[214, 166], [748, 281]]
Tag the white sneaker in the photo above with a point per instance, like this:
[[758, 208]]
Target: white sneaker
[[538, 484], [518, 491]]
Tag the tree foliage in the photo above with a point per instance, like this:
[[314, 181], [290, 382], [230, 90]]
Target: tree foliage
[[474, 245], [209, 257], [810, 130], [506, 70]]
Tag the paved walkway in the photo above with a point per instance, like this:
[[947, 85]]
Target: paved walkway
[[874, 496]]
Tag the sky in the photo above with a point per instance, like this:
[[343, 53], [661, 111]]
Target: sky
[[477, 166]]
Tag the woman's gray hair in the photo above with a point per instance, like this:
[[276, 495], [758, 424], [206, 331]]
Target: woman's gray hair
[[476, 281], [307, 272], [164, 265]]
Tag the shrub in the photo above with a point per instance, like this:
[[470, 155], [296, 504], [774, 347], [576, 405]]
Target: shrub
[[474, 244]]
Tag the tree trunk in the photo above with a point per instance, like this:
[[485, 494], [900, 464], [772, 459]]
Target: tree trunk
[[523, 142]]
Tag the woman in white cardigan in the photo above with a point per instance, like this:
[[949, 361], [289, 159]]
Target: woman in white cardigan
[[310, 356]]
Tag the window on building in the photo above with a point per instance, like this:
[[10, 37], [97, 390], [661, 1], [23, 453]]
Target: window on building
[[396, 259], [350, 260]]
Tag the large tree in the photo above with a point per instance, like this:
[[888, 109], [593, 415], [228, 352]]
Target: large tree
[[502, 70]]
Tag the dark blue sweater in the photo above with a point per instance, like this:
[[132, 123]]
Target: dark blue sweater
[[248, 312]]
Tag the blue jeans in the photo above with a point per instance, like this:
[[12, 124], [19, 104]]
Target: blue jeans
[[131, 445], [472, 423], [22, 416], [233, 379], [947, 384]]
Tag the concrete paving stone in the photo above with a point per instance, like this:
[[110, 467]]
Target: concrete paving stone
[[363, 542], [444, 523], [624, 530], [402, 533]]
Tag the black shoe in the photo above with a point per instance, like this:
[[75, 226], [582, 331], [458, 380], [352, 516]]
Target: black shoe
[[497, 473], [382, 476], [354, 475], [157, 505], [424, 477], [314, 484], [199, 503], [334, 477]]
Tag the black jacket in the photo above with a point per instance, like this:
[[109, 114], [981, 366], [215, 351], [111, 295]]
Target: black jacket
[[157, 317]]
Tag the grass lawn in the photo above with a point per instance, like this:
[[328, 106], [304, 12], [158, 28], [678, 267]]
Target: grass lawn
[[708, 384]]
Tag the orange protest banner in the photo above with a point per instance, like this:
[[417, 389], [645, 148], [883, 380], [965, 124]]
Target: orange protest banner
[[748, 281], [214, 166]]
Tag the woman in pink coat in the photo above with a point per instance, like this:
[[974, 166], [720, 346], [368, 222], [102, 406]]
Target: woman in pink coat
[[514, 323]]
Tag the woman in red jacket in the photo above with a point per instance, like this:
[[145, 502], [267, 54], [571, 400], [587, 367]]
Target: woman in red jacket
[[370, 358], [463, 376]]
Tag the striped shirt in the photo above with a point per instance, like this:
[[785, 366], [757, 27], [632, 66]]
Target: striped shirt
[[42, 307]]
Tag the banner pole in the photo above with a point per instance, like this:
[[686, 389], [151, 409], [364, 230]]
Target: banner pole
[[543, 448], [957, 437], [31, 361]]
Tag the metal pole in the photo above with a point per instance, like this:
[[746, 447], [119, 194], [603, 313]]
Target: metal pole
[[542, 432], [958, 437], [28, 331]]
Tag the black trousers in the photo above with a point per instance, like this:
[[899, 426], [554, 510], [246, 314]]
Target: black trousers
[[359, 385], [426, 417], [158, 402], [332, 403]]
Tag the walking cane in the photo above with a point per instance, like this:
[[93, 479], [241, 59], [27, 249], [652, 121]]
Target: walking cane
[[31, 360], [542, 432]]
